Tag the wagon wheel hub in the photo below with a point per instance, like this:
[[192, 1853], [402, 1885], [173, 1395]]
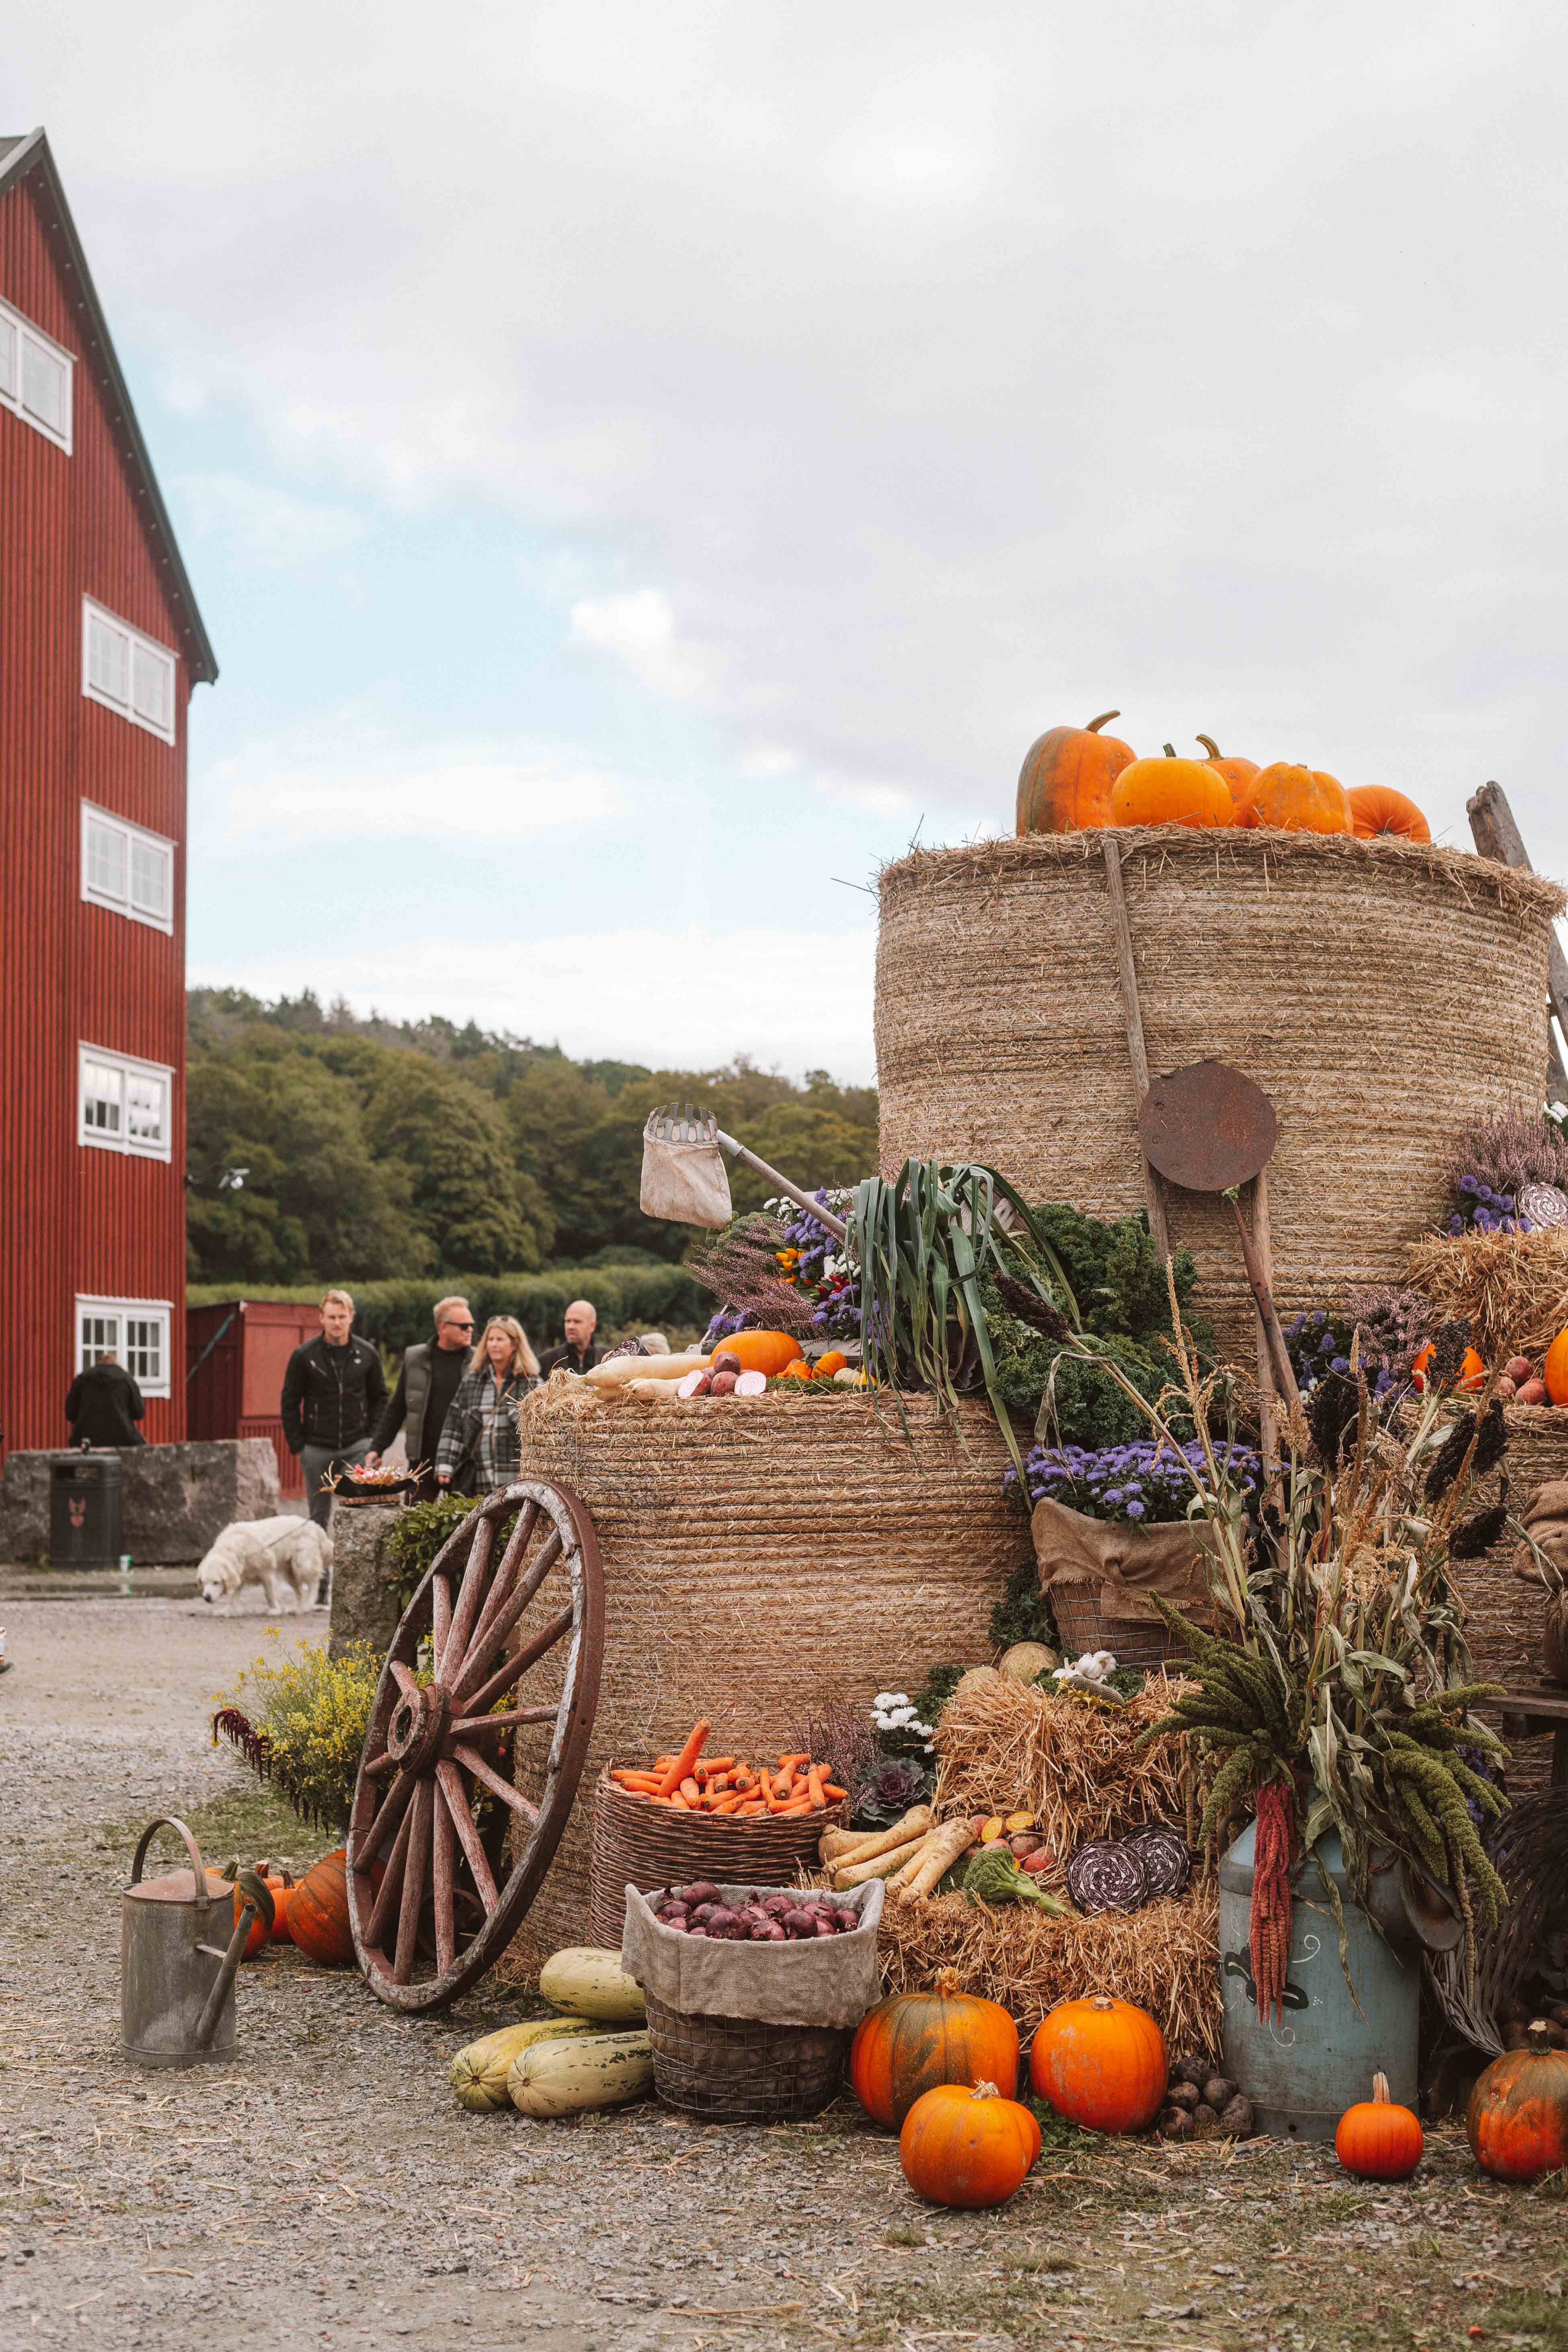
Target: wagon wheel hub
[[418, 1731]]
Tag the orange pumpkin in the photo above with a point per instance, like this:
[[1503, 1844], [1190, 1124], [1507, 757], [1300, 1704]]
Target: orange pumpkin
[[1472, 1371], [1378, 808], [913, 2041], [1170, 792], [1102, 2062], [1299, 800], [1377, 2139], [319, 1913], [1064, 784], [799, 1370], [967, 2147], [1239, 774], [1556, 1371], [762, 1352], [1518, 2114], [835, 1360], [279, 1883]]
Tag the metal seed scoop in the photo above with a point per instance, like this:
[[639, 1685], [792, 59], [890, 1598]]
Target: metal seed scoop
[[683, 1176]]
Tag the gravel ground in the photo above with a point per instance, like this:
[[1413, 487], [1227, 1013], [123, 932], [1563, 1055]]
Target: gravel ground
[[323, 2187]]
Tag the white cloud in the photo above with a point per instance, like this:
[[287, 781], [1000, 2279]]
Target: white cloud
[[639, 629], [686, 999], [259, 523], [275, 801]]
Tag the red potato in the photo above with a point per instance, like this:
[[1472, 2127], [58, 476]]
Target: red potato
[[1519, 1368], [1531, 1392], [1039, 1860], [1024, 1843], [1505, 1387], [977, 1823], [724, 1361], [723, 1384]]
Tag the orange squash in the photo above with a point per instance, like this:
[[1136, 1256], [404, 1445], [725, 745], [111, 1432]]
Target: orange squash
[[798, 1370], [913, 2041], [1170, 792], [1064, 784], [319, 1913], [1472, 1371], [1378, 2140], [1102, 2062], [835, 1360], [1518, 2116], [1378, 808], [762, 1352], [967, 2147], [1240, 775], [1299, 800]]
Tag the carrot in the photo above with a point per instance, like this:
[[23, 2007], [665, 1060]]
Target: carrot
[[730, 1804], [689, 1789], [637, 1779], [681, 1801], [814, 1788], [713, 1764], [744, 1811], [788, 1763], [834, 1794], [683, 1763], [801, 1805]]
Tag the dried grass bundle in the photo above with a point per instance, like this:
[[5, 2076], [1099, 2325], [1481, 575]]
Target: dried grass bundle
[[1076, 1765], [1512, 1289], [1165, 1957]]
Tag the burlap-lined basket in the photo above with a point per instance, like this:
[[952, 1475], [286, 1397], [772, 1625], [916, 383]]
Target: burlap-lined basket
[[764, 1555], [1335, 972], [643, 1845]]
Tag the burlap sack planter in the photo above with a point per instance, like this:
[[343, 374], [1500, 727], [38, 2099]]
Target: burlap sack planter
[[1097, 1575], [1340, 974], [764, 1555]]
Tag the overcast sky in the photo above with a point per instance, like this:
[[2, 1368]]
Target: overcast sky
[[638, 462]]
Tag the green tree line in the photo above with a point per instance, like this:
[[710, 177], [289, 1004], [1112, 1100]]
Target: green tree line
[[373, 1150]]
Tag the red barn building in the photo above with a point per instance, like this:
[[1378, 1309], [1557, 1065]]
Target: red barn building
[[100, 642]]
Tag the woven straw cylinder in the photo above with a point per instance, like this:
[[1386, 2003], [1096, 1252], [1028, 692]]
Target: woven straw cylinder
[[1382, 994], [762, 1555], [1506, 1616]]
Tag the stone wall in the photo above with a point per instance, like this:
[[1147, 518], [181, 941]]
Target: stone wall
[[364, 1607], [176, 1497]]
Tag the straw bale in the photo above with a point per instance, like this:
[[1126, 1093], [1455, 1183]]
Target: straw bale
[[1304, 959], [1164, 1958], [764, 1555], [1075, 1765], [1512, 1289], [1506, 1617]]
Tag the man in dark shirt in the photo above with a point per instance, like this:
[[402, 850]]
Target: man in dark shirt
[[426, 1386], [580, 1322], [332, 1390], [104, 1404]]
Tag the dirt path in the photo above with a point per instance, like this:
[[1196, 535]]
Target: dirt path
[[325, 2188]]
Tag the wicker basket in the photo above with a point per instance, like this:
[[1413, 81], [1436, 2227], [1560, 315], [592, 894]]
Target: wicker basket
[[736, 2070], [649, 1846], [1085, 1622]]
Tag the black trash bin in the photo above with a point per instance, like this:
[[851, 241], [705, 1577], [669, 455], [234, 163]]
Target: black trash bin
[[86, 1491]]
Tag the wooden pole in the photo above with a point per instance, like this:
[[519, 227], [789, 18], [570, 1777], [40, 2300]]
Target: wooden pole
[[1122, 932], [1497, 835]]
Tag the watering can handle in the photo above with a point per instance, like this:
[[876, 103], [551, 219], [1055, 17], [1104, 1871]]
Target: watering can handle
[[171, 1822]]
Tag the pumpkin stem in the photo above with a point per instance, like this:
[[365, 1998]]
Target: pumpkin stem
[[1538, 2041], [1170, 750], [1210, 746], [1380, 2090], [1101, 2000], [985, 2090], [1096, 724], [947, 1983]]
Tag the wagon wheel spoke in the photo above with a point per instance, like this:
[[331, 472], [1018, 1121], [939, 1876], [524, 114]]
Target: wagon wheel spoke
[[407, 1682], [468, 1834], [413, 1871], [476, 1703], [466, 1609], [441, 1872], [472, 1761], [468, 1724], [379, 1765], [495, 1634], [385, 1903], [367, 1845], [517, 1543], [440, 1618]]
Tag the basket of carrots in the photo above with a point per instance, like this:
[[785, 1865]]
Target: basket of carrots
[[688, 1815]]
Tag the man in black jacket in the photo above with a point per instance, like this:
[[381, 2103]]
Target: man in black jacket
[[103, 1405], [579, 1354], [332, 1390]]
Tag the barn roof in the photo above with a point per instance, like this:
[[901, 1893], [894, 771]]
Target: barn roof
[[27, 155]]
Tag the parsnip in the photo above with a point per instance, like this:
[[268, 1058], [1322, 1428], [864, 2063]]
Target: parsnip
[[839, 1846], [616, 1370], [902, 1879], [653, 1391], [882, 1865], [943, 1849]]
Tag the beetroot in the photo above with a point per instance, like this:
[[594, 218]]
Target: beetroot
[[799, 1923], [824, 1927], [701, 1890]]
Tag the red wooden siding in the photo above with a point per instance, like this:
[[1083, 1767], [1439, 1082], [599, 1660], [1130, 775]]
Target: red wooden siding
[[238, 1355], [76, 1220]]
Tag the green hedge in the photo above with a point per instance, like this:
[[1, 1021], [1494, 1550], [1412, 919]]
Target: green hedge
[[644, 1298]]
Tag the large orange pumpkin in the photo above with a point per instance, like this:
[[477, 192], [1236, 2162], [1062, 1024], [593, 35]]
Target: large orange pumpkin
[[319, 1913], [1518, 2116], [762, 1352], [1102, 2062], [913, 2041], [1378, 808], [1555, 1370], [1377, 2139], [1064, 784], [1170, 792], [1299, 800], [1239, 774], [968, 2148]]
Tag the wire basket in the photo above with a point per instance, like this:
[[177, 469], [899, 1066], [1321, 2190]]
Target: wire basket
[[1085, 1622], [649, 1846], [736, 2069]]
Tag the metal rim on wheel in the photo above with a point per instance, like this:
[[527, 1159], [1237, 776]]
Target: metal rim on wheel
[[447, 1710]]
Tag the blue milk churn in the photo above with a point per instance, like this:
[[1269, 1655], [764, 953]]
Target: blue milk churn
[[1302, 2072]]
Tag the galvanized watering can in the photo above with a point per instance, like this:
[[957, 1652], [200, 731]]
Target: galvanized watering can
[[179, 1945]]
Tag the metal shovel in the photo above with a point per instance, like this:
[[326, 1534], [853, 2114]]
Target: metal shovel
[[1210, 1129], [682, 1172]]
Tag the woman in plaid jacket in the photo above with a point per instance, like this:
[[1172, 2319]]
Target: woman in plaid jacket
[[479, 1448]]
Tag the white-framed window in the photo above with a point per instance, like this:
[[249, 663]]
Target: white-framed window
[[127, 869], [135, 1332], [124, 1105], [126, 671], [35, 377]]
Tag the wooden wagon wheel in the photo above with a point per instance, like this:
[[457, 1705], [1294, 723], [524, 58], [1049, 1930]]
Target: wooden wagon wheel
[[447, 1717]]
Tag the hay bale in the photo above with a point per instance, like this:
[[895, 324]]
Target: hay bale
[[1511, 1288], [764, 1555], [1506, 1617], [1165, 1957], [1329, 970]]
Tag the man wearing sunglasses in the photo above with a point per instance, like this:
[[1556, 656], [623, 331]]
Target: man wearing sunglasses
[[427, 1384]]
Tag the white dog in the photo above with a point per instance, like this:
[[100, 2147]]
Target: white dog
[[285, 1555]]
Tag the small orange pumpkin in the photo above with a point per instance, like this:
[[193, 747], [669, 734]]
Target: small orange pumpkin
[[1378, 808], [1299, 800], [913, 2041], [1377, 2139], [1170, 792], [1556, 1371], [967, 2147], [762, 1352], [1472, 1371], [799, 1370], [1239, 774], [1064, 784], [1518, 2116], [1102, 2062], [319, 1913], [280, 1885], [835, 1360]]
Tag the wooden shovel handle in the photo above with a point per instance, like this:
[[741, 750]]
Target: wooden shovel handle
[[1258, 1283]]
